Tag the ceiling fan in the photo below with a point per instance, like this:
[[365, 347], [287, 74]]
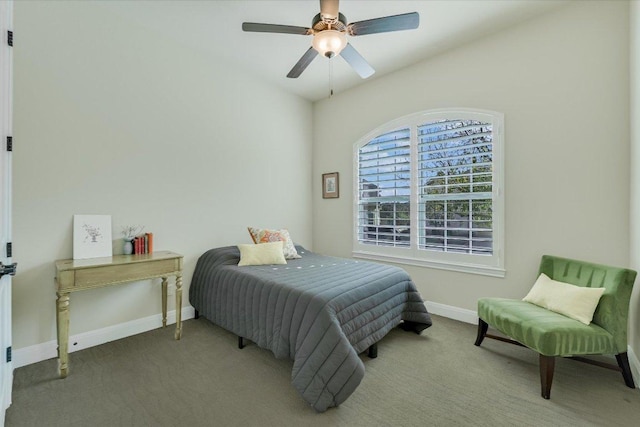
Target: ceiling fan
[[329, 29]]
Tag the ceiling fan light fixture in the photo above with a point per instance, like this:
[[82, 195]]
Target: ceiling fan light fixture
[[330, 29], [329, 42]]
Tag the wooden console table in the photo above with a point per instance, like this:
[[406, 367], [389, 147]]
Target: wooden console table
[[82, 274]]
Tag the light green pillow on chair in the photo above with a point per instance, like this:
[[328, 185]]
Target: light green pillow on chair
[[576, 302]]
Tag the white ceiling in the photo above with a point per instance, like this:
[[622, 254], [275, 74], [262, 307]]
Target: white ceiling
[[215, 27]]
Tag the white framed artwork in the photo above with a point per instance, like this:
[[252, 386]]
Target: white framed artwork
[[92, 236]]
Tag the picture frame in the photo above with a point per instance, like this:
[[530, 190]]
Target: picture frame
[[330, 185], [92, 236]]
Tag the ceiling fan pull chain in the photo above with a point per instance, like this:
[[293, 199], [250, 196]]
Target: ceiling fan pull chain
[[330, 77]]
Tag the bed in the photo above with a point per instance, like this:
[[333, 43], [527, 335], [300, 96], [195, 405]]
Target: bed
[[319, 311]]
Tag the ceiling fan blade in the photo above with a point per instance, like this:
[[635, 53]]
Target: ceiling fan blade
[[274, 28], [406, 21], [303, 63], [329, 9], [357, 62]]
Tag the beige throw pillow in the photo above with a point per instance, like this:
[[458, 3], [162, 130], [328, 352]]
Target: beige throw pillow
[[262, 254], [573, 301]]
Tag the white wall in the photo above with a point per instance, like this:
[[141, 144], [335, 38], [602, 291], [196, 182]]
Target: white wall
[[111, 118], [562, 81], [634, 55]]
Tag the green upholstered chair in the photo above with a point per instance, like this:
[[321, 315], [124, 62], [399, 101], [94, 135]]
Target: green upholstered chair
[[551, 334]]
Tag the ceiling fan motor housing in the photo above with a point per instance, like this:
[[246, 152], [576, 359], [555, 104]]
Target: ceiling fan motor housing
[[340, 24]]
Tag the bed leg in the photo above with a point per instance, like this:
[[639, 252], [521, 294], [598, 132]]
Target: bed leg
[[240, 343], [372, 353]]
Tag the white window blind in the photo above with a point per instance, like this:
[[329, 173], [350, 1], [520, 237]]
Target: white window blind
[[429, 191], [455, 198], [384, 188]]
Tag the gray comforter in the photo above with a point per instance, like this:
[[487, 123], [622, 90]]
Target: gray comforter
[[319, 311]]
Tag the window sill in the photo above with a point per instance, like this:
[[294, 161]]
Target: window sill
[[451, 266]]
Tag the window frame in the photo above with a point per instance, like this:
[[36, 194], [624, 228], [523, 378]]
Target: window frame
[[489, 265]]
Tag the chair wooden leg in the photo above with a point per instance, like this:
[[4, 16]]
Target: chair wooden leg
[[623, 363], [547, 365], [240, 343], [482, 331]]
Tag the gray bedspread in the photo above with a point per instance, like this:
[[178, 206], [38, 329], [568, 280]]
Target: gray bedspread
[[319, 311]]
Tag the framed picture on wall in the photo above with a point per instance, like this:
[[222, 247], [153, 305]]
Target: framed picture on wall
[[330, 185], [92, 236]]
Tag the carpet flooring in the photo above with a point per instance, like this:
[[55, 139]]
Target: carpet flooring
[[438, 378]]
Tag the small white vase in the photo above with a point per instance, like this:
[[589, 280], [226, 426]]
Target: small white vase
[[128, 247]]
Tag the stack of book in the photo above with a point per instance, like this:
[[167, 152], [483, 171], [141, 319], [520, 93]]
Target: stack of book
[[143, 244]]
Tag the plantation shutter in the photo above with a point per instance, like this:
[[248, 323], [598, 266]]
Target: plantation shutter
[[455, 186], [384, 187]]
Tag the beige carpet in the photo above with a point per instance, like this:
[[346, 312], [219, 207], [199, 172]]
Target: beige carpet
[[438, 378]]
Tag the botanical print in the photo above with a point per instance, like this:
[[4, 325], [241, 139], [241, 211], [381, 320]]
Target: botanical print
[[331, 185], [92, 236], [93, 233]]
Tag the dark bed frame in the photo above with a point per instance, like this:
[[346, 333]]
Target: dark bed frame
[[372, 351]]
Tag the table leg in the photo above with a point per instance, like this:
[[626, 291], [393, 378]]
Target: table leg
[[62, 317], [164, 301], [178, 307]]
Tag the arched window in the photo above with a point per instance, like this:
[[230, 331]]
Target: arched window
[[429, 191]]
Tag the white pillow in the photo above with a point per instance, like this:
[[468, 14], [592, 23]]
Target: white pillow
[[573, 301], [262, 254], [264, 235]]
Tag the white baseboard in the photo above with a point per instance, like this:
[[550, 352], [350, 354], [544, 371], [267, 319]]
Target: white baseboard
[[48, 350], [39, 352], [455, 313]]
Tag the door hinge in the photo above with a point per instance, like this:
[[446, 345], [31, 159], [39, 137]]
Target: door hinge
[[9, 143], [10, 38], [9, 249], [8, 269], [8, 354]]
